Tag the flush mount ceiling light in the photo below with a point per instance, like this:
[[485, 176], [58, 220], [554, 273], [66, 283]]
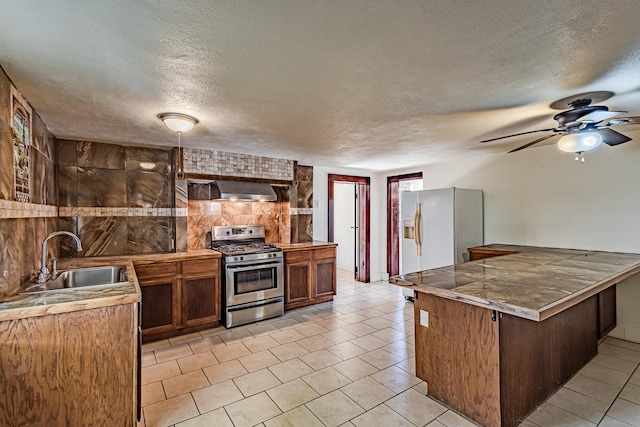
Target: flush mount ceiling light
[[580, 142], [179, 123]]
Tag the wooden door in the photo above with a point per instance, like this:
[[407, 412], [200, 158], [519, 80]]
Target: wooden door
[[298, 277]]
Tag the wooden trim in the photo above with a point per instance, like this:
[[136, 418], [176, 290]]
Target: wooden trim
[[393, 208], [364, 236]]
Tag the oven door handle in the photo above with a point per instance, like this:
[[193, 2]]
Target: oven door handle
[[252, 265]]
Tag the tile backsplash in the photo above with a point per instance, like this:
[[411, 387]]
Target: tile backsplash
[[209, 162]]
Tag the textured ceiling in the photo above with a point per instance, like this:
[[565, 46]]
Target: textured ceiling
[[376, 85]]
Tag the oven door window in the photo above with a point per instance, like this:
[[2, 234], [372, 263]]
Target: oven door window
[[258, 279]]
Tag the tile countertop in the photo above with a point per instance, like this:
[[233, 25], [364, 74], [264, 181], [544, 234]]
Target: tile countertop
[[534, 283], [290, 247], [22, 306]]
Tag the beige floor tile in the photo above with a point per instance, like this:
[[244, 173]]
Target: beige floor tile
[[292, 394], [631, 392], [332, 323], [613, 362], [311, 330], [152, 393], [261, 343], [225, 371], [408, 365], [284, 324], [338, 336], [360, 329], [622, 343], [379, 322], [197, 361], [216, 396], [213, 331], [346, 350], [253, 410], [290, 370], [170, 411], [234, 336], [422, 388], [355, 368], [367, 392], [288, 351], [230, 352], [593, 388], [261, 328], [287, 336], [206, 344], [161, 371], [300, 416], [320, 359], [181, 339], [256, 361], [451, 419], [171, 353], [185, 383], [620, 352], [148, 359], [217, 418], [415, 407], [548, 415], [256, 382], [607, 421], [314, 343], [151, 346], [436, 423], [578, 404], [334, 408], [381, 416], [326, 380], [625, 411], [635, 378], [380, 358], [389, 335], [396, 379], [605, 374], [369, 342]]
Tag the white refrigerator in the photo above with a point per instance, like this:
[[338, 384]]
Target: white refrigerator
[[437, 227]]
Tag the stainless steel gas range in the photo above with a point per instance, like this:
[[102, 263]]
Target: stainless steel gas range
[[252, 280]]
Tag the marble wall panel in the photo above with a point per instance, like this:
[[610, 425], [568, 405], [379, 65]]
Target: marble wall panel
[[304, 173], [101, 236], [42, 139], [148, 189], [101, 187], [305, 194], [6, 144], [181, 197], [293, 232], [147, 159], [42, 179], [146, 235], [67, 153], [305, 228], [182, 237], [67, 186], [99, 155], [236, 208]]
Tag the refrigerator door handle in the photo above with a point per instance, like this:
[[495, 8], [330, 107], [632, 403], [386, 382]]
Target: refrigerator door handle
[[416, 227]]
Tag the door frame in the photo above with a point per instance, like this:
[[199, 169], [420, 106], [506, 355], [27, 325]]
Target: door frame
[[393, 225], [363, 185]]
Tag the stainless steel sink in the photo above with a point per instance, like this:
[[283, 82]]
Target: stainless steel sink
[[83, 277]]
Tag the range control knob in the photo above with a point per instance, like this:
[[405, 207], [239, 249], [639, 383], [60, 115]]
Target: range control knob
[[235, 258], [241, 258]]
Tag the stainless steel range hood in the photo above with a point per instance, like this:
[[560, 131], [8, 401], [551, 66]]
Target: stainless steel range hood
[[242, 191]]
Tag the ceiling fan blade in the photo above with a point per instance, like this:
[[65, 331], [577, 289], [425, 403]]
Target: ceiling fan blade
[[625, 121], [598, 116], [535, 142], [611, 137], [516, 134]]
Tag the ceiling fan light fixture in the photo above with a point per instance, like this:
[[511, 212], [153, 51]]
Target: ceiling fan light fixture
[[580, 142], [179, 123]]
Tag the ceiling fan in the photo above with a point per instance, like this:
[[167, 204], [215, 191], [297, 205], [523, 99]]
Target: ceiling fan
[[583, 126]]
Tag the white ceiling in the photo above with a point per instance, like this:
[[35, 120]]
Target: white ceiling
[[370, 84]]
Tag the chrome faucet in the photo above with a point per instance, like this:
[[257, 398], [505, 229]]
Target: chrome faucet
[[44, 271]]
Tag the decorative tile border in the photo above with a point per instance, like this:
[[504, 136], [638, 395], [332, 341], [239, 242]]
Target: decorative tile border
[[301, 211], [233, 164], [11, 209], [102, 211]]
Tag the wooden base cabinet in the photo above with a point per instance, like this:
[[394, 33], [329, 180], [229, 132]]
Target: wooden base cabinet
[[310, 276], [178, 297], [70, 369]]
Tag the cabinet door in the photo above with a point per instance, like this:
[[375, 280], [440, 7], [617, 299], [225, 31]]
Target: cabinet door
[[325, 277], [159, 297], [298, 282], [606, 311], [200, 300]]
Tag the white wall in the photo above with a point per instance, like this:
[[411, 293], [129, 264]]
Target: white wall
[[540, 197]]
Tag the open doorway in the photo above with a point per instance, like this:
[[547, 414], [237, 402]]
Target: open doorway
[[395, 186], [349, 223]]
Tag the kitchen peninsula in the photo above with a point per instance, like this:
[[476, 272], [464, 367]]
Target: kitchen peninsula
[[497, 336]]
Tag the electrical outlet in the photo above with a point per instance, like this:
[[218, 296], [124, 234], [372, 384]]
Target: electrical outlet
[[424, 318]]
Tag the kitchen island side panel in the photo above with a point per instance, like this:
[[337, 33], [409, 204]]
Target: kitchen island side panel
[[457, 354]]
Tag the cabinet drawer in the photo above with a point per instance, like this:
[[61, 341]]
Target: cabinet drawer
[[297, 256], [201, 266], [160, 269], [324, 253]]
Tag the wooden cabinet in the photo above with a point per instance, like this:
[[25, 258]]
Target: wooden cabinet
[[606, 311], [481, 253], [310, 276], [70, 369], [179, 297]]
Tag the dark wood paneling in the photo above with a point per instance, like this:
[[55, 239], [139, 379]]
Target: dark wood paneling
[[325, 277], [607, 318], [476, 253], [201, 267], [324, 253], [297, 256], [159, 269], [200, 300], [157, 305], [69, 369], [298, 282]]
